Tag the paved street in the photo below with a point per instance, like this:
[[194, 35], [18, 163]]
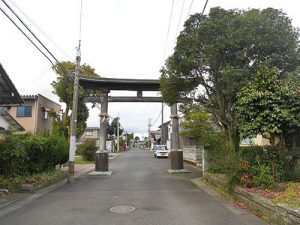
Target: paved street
[[141, 181]]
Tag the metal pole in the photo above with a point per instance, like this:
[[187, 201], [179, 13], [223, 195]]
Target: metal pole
[[72, 149], [118, 135]]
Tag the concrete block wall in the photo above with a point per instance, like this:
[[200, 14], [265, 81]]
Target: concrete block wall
[[192, 153]]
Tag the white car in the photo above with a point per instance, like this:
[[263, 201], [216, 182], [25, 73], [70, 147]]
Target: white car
[[161, 151]]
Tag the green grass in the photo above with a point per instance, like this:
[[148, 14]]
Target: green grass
[[42, 178], [81, 160]]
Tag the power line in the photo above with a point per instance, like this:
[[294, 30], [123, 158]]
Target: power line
[[179, 22], [25, 25], [168, 32], [158, 115], [38, 28], [27, 36], [190, 8], [64, 70], [204, 7]]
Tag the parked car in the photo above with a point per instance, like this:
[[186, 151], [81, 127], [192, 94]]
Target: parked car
[[161, 151]]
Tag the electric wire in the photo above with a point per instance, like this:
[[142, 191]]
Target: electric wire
[[27, 37], [190, 8], [158, 115], [25, 25], [168, 31], [204, 7], [64, 70], [38, 28], [179, 22]]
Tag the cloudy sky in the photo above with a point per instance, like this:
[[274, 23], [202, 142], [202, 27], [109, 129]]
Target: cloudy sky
[[120, 39]]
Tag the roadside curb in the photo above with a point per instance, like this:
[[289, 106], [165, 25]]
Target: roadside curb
[[21, 199], [274, 213]]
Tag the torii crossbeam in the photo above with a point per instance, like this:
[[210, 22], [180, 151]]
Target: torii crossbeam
[[105, 85]]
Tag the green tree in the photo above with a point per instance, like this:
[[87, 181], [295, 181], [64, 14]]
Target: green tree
[[266, 105], [197, 124], [63, 88], [269, 105], [217, 54], [136, 139], [113, 127]]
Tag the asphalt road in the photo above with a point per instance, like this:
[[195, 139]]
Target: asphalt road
[[141, 181]]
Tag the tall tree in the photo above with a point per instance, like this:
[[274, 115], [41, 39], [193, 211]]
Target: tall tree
[[269, 105], [113, 127], [217, 54], [63, 88]]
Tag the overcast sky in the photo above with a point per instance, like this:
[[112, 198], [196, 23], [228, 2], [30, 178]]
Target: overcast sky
[[120, 39]]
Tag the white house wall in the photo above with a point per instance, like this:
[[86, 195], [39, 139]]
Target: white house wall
[[3, 123]]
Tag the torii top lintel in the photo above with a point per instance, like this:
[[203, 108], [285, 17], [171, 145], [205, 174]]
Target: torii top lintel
[[119, 84]]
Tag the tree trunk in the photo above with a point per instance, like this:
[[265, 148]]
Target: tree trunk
[[233, 141]]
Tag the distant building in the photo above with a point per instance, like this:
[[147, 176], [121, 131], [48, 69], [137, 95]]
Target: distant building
[[93, 133], [90, 133], [36, 114]]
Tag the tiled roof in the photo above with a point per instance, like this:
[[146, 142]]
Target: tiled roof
[[8, 93]]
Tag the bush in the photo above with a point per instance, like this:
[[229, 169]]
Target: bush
[[87, 150], [13, 157], [26, 153], [259, 166], [215, 151]]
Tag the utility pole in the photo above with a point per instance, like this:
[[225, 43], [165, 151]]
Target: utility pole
[[162, 122], [149, 126], [74, 117], [118, 135]]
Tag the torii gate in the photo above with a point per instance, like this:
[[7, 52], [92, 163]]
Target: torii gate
[[105, 85]]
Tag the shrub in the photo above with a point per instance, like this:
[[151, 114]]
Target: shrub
[[26, 153], [13, 157], [259, 166], [264, 176], [215, 151], [87, 150]]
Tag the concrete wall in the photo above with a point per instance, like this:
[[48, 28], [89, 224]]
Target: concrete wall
[[93, 131], [192, 153]]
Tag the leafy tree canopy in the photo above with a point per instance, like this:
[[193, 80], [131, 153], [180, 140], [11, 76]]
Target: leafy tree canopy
[[113, 127], [269, 104], [197, 124], [218, 53], [63, 88]]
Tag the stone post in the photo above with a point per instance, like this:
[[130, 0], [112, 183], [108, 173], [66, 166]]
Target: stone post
[[101, 159], [176, 153]]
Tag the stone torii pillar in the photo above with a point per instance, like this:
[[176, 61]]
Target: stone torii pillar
[[176, 153], [101, 160]]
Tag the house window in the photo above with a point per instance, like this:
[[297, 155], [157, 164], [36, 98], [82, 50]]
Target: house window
[[89, 133], [24, 111], [45, 113]]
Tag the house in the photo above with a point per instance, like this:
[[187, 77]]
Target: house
[[90, 133], [9, 96], [93, 133], [36, 114], [166, 129]]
